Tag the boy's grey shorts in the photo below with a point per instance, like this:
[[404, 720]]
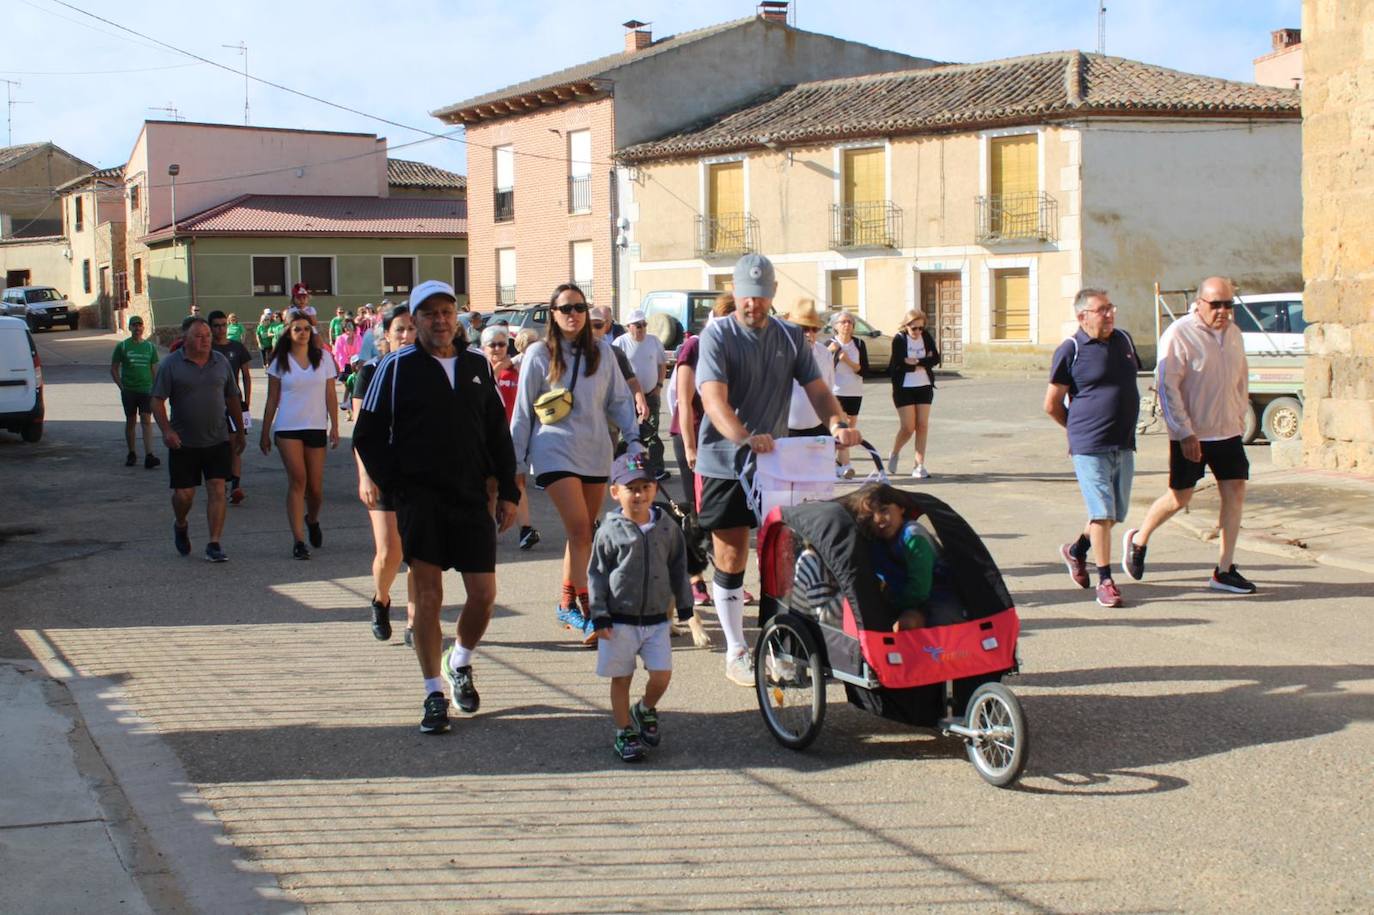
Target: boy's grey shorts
[[615, 656]]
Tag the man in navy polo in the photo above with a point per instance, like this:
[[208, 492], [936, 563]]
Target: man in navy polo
[[1093, 394]]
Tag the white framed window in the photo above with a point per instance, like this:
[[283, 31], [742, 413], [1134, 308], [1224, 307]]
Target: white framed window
[[505, 276], [579, 171]]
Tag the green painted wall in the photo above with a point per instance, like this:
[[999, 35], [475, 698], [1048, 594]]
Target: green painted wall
[[224, 275]]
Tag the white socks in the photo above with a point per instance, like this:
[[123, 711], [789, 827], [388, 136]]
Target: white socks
[[730, 609], [460, 656], [434, 685]]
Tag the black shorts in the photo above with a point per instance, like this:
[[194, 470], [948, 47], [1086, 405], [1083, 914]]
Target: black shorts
[[851, 405], [134, 402], [1226, 458], [724, 505], [808, 433], [310, 438], [188, 466], [912, 397], [545, 480], [458, 537]]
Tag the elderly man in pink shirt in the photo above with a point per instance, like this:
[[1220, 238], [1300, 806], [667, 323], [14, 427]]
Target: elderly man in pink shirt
[[1203, 384]]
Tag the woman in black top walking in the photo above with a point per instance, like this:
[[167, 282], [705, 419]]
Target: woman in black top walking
[[914, 357]]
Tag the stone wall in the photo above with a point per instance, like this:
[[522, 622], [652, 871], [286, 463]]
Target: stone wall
[[1338, 236]]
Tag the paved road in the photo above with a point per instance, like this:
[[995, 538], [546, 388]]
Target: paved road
[[1192, 752]]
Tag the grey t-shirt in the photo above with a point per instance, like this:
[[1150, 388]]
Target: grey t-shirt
[[646, 356], [197, 397], [758, 367]]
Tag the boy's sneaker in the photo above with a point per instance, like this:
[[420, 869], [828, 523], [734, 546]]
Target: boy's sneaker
[[1108, 595], [131, 460], [646, 722], [381, 620], [214, 553], [739, 669], [151, 460], [1231, 581], [315, 532], [460, 685], [299, 551], [528, 538], [1132, 556], [436, 714], [628, 746], [1078, 568], [181, 536], [701, 595]]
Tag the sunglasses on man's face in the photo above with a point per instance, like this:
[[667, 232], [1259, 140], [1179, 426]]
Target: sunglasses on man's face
[[214, 325], [579, 307], [1228, 304], [597, 325]]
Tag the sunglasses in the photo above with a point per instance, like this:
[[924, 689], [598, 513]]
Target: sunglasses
[[497, 344], [1221, 303], [640, 324], [598, 324], [579, 307], [214, 324]]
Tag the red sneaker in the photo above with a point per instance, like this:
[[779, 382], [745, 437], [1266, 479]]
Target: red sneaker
[[1078, 568], [1108, 595], [236, 497]]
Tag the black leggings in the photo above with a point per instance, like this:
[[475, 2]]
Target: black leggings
[[689, 479]]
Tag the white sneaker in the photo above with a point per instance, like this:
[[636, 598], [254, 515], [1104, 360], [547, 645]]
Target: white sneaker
[[844, 472], [920, 472], [739, 669], [892, 463]]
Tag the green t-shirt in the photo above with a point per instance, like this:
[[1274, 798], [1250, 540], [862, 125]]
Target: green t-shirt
[[235, 331], [275, 331], [336, 328], [136, 361]]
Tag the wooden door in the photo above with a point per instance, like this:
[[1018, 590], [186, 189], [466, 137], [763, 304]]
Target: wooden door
[[1011, 305], [942, 300], [1014, 183]]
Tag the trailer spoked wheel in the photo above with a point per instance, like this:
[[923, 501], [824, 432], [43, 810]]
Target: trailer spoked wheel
[[998, 749]]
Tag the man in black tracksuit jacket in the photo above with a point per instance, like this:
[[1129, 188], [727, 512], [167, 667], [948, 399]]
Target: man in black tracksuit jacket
[[432, 431]]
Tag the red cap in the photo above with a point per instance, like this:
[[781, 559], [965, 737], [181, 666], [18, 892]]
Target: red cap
[[299, 289]]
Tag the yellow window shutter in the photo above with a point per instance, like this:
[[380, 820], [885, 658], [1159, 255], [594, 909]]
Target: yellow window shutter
[[727, 189], [1011, 311], [864, 180], [844, 289], [1014, 166]]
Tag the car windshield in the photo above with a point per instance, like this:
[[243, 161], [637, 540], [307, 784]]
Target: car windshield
[[508, 315], [861, 327], [1271, 317], [42, 295]]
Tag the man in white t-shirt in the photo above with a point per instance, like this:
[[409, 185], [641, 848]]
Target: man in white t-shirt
[[650, 364]]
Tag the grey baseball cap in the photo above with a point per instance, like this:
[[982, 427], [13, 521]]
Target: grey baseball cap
[[754, 277]]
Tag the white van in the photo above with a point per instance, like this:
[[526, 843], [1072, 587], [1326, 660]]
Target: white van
[[1272, 325], [21, 381]]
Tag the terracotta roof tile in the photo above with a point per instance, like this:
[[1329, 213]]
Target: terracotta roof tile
[[12, 154], [255, 214], [407, 173], [1040, 87]]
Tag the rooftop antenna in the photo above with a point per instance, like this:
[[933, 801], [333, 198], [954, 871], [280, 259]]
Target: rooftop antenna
[[1102, 27], [242, 48], [171, 111], [10, 102]]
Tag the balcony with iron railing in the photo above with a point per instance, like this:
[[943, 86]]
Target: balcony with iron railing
[[503, 205], [505, 295], [875, 224], [1010, 218], [727, 235], [586, 285], [580, 194]]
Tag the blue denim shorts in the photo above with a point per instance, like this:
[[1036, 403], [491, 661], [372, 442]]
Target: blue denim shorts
[[1105, 480]]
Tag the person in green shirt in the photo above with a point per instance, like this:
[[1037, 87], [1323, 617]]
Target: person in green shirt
[[132, 366], [336, 325], [235, 330], [275, 331], [264, 335]]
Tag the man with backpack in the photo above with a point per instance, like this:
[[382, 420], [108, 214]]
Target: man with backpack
[[1093, 394]]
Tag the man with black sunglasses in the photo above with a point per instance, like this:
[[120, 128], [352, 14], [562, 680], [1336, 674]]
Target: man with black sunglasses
[[1203, 383]]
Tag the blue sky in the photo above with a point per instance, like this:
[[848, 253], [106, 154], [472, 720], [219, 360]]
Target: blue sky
[[402, 65]]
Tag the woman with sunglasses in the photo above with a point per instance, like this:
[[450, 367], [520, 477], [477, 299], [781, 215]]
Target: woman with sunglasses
[[301, 402], [914, 358], [495, 345], [571, 457], [398, 330], [850, 357]]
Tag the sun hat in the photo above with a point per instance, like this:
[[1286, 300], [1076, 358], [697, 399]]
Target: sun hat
[[754, 277], [803, 314]]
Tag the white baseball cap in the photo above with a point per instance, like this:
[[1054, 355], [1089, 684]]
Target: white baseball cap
[[636, 316], [428, 289]]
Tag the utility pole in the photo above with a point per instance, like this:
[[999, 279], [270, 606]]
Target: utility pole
[[1102, 27], [171, 111], [242, 48], [10, 102]]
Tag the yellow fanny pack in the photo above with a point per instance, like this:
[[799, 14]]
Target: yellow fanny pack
[[555, 405]]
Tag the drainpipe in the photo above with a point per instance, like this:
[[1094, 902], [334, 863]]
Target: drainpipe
[[615, 249]]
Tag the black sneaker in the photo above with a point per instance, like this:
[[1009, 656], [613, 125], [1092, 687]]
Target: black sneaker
[[436, 714], [181, 536], [410, 638], [316, 535], [381, 620], [662, 476], [646, 720], [214, 553], [628, 746], [151, 460], [1231, 581], [1132, 556], [299, 551], [528, 538], [131, 460], [461, 685]]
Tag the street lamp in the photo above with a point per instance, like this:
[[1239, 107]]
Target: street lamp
[[173, 170]]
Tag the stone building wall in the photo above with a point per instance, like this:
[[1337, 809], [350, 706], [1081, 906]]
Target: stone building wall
[[1338, 235]]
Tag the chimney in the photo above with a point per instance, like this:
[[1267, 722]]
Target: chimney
[[1286, 38], [773, 11], [637, 37]]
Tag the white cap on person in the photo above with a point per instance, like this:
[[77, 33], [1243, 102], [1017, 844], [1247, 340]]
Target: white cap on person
[[428, 289]]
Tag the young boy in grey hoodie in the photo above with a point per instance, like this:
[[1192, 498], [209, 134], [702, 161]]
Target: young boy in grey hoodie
[[637, 573]]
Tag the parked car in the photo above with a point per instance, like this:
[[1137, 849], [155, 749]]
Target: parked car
[[878, 344], [534, 316], [674, 313], [21, 381], [41, 306], [1272, 325]]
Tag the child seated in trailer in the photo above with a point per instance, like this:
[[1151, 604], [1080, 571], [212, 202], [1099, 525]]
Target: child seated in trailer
[[901, 551]]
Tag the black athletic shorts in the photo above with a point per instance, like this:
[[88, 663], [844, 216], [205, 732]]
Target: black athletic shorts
[[724, 505], [808, 433], [911, 397], [851, 405], [1226, 458], [134, 402], [310, 438], [545, 480], [458, 537], [188, 466]]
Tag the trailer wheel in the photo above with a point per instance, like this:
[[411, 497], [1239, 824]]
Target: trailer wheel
[[1282, 419], [1251, 424]]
